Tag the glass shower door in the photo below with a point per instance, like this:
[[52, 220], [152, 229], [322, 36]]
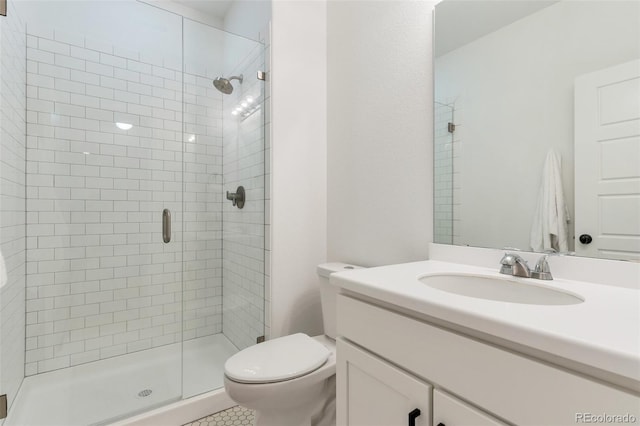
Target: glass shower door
[[244, 163], [12, 203], [223, 244], [104, 170]]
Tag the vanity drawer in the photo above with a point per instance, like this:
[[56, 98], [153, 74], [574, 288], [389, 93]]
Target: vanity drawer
[[450, 411], [511, 386]]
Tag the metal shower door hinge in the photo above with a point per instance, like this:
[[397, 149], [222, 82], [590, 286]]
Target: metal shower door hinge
[[451, 127], [3, 406], [260, 339], [262, 75]]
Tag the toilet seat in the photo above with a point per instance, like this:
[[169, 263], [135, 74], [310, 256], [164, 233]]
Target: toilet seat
[[277, 360]]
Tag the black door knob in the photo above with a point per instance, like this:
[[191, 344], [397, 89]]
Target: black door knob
[[585, 239]]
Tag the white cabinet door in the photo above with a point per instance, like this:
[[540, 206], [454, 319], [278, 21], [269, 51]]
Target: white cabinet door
[[450, 411], [607, 162], [371, 392]]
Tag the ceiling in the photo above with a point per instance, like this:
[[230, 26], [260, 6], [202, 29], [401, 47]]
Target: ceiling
[[458, 22], [215, 8]]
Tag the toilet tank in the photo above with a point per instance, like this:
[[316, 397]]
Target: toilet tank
[[329, 294]]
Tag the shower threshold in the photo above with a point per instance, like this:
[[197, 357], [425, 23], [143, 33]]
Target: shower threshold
[[103, 391]]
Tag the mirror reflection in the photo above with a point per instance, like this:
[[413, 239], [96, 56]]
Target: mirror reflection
[[537, 126]]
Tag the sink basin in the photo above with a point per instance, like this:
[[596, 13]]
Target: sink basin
[[500, 289]]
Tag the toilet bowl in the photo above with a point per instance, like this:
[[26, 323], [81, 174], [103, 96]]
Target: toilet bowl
[[290, 381]]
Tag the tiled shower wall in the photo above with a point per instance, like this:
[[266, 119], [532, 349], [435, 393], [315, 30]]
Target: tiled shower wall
[[443, 174], [244, 230], [100, 281], [202, 208], [12, 201]]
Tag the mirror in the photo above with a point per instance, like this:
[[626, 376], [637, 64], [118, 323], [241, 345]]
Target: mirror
[[537, 126]]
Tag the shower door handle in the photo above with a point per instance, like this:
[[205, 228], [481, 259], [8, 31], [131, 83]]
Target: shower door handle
[[166, 225]]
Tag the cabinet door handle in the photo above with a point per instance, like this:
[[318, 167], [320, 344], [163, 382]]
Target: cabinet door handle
[[413, 415]]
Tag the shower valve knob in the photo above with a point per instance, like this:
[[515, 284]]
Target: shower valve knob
[[237, 198]]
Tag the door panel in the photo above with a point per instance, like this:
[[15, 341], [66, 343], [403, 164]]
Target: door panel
[[607, 152], [371, 392]]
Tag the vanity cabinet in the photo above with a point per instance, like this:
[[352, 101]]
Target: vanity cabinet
[[379, 394], [450, 411], [389, 363]]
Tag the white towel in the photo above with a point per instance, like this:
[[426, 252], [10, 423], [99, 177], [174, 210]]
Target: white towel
[[549, 231], [3, 271]]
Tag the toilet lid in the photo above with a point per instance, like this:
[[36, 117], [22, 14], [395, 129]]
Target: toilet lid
[[277, 360]]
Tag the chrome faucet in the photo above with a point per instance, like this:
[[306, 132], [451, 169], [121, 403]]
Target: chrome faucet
[[513, 264], [542, 271]]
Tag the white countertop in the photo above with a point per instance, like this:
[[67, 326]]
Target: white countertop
[[602, 332]]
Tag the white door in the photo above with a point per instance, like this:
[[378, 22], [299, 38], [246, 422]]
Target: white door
[[371, 392], [607, 162]]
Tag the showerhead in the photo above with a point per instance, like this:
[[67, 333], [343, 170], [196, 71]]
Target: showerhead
[[224, 84]]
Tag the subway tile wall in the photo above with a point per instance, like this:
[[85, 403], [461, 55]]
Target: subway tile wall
[[267, 185], [244, 229], [443, 173], [203, 201], [456, 181], [100, 281], [12, 200]]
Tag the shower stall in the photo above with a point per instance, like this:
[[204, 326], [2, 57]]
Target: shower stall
[[128, 275]]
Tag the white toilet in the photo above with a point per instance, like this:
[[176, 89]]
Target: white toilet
[[290, 381]]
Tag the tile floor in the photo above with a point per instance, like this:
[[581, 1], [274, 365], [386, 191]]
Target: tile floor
[[234, 416]]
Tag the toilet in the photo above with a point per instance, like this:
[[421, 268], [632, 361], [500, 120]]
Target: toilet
[[290, 381]]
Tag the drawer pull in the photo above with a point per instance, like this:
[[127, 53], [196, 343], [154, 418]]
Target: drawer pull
[[412, 416], [441, 424]]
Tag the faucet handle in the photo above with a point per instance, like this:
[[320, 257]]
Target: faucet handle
[[508, 259], [513, 264], [542, 270], [507, 262]]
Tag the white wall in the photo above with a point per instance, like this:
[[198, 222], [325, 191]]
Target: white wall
[[203, 48], [248, 18], [298, 144], [162, 38], [379, 131], [96, 20], [514, 101], [186, 11]]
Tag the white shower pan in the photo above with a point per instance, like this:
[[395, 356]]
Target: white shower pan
[[104, 391]]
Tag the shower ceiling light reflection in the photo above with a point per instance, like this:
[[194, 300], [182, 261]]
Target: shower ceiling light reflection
[[246, 107], [124, 126]]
